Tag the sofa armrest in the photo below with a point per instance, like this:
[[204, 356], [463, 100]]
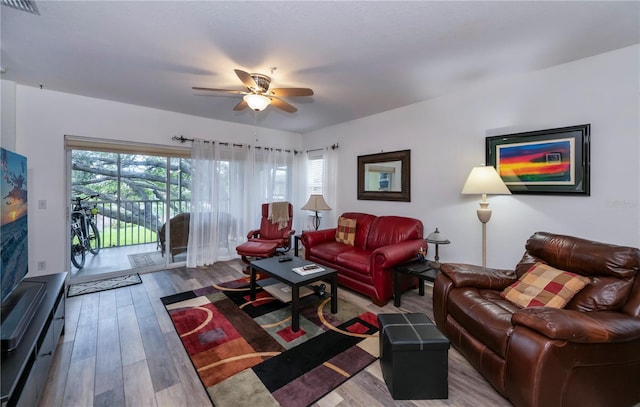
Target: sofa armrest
[[311, 238], [468, 275], [578, 326], [393, 254], [253, 234]]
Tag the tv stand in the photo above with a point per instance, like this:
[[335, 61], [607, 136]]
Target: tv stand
[[25, 368], [18, 311]]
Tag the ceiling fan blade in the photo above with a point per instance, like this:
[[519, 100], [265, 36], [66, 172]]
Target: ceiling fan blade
[[292, 92], [241, 105], [246, 79], [236, 92], [282, 105]]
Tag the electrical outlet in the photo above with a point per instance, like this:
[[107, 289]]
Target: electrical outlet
[[42, 265]]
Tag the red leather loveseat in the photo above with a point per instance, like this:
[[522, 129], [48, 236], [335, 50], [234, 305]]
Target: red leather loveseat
[[585, 354], [381, 242]]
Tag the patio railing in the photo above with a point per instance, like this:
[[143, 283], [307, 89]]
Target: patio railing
[[133, 222]]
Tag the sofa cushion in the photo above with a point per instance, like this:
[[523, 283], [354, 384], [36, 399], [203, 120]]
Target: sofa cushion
[[388, 230], [544, 285], [328, 251], [364, 221], [602, 294], [484, 313], [583, 256], [357, 260], [346, 231]]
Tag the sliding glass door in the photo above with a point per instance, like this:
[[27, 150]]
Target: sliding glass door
[[132, 197]]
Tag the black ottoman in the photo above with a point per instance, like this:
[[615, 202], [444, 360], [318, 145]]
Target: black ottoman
[[413, 357]]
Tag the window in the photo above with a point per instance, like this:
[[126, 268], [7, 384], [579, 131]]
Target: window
[[273, 178], [315, 175]]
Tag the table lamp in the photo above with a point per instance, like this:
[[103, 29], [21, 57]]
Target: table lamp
[[317, 204], [484, 180], [436, 238]]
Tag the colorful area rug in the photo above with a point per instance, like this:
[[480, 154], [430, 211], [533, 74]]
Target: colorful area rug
[[103, 285], [247, 355]]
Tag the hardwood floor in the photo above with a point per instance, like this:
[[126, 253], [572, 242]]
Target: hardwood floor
[[120, 349]]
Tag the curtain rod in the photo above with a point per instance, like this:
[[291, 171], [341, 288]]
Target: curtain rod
[[183, 139], [333, 147]]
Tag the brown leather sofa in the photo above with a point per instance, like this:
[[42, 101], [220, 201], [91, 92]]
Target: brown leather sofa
[[381, 242], [586, 354]]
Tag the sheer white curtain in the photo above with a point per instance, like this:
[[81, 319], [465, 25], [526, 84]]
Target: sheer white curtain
[[272, 178], [330, 187], [305, 170], [300, 217], [228, 186], [220, 183]]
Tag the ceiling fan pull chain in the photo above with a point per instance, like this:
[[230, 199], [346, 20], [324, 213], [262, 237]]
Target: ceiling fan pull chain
[[255, 125]]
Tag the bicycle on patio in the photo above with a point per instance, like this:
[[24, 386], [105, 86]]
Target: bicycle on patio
[[84, 232]]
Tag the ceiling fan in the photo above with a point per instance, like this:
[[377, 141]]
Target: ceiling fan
[[258, 96]]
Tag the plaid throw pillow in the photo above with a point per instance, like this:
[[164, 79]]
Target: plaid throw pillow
[[543, 285], [346, 231]]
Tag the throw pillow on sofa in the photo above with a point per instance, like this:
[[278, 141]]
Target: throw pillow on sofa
[[543, 285], [346, 231]]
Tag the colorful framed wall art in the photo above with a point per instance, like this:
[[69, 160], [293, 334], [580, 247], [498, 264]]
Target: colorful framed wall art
[[553, 161]]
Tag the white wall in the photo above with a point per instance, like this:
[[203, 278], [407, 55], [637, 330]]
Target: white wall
[[44, 117], [8, 114], [447, 138]]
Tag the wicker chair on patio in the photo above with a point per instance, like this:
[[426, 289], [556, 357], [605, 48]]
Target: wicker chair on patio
[[179, 233]]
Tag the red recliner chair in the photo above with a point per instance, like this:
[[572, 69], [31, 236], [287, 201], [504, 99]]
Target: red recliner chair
[[269, 239]]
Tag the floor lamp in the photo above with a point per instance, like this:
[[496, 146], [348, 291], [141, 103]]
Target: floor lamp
[[317, 204], [484, 181]]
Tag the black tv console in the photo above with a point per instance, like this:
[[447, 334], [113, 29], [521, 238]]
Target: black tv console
[[25, 368]]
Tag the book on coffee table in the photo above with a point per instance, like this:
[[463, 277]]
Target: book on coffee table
[[308, 269]]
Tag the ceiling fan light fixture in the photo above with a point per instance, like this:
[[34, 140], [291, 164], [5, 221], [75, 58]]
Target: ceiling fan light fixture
[[258, 96], [257, 102]]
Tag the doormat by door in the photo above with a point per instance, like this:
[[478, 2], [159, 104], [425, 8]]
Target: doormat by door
[[103, 285], [139, 260]]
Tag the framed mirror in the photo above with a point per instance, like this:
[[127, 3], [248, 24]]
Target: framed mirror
[[385, 176]]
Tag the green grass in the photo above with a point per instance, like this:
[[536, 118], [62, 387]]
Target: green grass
[[129, 235]]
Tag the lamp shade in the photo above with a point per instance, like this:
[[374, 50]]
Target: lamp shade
[[484, 180], [316, 203], [257, 102], [437, 237]]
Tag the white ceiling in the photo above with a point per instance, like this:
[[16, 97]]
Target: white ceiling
[[360, 57]]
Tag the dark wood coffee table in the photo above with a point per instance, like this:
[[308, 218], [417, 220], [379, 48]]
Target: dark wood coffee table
[[282, 271]]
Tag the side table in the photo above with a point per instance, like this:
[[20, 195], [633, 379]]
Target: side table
[[296, 242], [422, 270]]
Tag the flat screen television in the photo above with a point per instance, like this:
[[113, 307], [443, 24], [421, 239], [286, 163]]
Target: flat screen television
[[18, 300], [13, 221]]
